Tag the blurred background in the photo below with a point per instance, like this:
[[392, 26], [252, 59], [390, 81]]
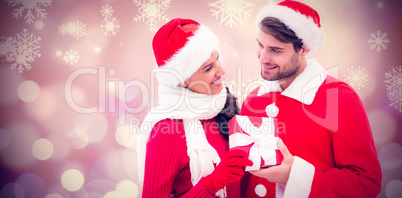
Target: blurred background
[[76, 82]]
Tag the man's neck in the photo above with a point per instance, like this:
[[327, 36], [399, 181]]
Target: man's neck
[[285, 83]]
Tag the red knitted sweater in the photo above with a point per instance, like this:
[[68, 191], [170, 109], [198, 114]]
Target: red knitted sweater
[[167, 170]]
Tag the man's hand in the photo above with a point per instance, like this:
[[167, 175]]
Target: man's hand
[[280, 173]]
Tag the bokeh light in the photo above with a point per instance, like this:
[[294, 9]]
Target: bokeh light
[[32, 184], [383, 126], [42, 149], [9, 82], [95, 125], [18, 154], [39, 24], [53, 195], [4, 138], [113, 194], [100, 186], [78, 137], [127, 188], [130, 163], [59, 53], [44, 107], [72, 180], [393, 189], [390, 155], [12, 190], [126, 135], [28, 91], [61, 147]]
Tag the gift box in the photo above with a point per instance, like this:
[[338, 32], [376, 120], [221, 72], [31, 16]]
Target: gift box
[[258, 137]]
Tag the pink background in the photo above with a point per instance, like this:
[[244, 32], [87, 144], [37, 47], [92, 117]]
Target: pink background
[[43, 134]]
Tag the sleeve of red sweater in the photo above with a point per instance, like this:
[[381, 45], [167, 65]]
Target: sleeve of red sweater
[[357, 172], [163, 162]]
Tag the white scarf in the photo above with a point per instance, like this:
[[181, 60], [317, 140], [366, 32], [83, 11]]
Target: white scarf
[[182, 103]]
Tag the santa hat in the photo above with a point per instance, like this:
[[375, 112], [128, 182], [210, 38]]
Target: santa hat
[[181, 46], [300, 18]]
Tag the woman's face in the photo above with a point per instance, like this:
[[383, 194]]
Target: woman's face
[[208, 78]]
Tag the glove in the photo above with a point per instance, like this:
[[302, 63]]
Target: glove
[[229, 170]]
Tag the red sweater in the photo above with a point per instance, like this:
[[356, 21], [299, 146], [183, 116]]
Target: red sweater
[[167, 168], [332, 135]]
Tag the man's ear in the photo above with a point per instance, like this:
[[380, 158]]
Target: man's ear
[[304, 50]]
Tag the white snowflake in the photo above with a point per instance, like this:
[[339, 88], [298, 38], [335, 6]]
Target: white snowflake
[[24, 51], [75, 29], [393, 83], [378, 41], [233, 12], [31, 7], [63, 30], [6, 49], [71, 57], [107, 11], [97, 50], [153, 11], [110, 26], [316, 4], [356, 77]]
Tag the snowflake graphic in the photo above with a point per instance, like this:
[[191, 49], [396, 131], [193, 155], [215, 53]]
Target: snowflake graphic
[[378, 41], [24, 50], [76, 29], [110, 26], [316, 4], [97, 50], [233, 12], [153, 11], [31, 7], [71, 57], [6, 49], [107, 11], [63, 29], [356, 77], [393, 83]]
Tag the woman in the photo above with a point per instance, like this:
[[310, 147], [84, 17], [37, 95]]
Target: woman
[[182, 145]]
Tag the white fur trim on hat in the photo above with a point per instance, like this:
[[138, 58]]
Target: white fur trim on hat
[[305, 28], [188, 59]]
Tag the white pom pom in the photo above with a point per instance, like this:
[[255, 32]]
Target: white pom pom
[[260, 190], [272, 110]]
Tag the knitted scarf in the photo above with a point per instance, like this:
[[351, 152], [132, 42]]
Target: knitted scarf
[[182, 103]]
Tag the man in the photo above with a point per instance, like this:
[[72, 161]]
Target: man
[[329, 148]]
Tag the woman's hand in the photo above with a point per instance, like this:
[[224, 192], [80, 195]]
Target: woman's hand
[[229, 170], [280, 173]]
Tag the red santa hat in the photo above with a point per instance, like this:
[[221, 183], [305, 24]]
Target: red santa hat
[[300, 18], [180, 47]]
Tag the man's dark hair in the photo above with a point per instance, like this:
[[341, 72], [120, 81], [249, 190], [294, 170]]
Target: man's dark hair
[[281, 32]]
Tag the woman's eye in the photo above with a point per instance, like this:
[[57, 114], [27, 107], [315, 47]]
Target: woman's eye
[[209, 68]]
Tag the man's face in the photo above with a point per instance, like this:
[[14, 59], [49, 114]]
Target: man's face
[[279, 61]]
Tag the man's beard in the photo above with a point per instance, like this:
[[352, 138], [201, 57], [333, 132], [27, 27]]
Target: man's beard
[[294, 65]]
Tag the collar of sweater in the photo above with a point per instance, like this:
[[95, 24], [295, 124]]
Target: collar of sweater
[[181, 103], [303, 88]]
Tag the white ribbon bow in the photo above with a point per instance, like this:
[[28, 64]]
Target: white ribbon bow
[[263, 137]]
